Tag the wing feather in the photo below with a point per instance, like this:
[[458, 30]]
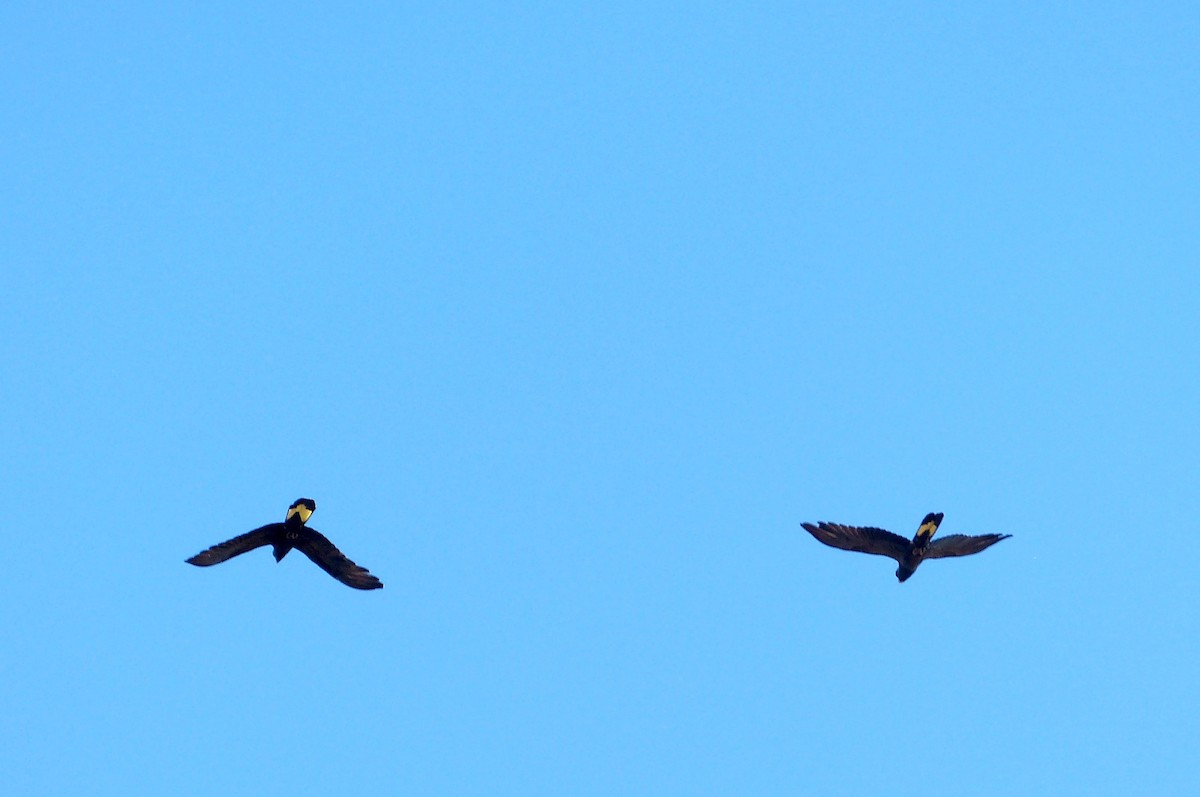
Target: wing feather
[[325, 554], [961, 545], [238, 545], [864, 539]]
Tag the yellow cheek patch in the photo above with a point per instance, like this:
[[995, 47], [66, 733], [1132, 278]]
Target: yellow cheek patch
[[304, 512]]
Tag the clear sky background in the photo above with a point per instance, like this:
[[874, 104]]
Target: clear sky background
[[567, 315]]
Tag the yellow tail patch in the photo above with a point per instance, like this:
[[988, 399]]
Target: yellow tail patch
[[926, 530], [300, 509]]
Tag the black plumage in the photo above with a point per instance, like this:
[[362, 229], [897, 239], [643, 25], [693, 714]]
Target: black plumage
[[293, 533], [908, 553]]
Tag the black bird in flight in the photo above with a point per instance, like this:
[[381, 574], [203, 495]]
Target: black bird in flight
[[909, 553], [292, 533]]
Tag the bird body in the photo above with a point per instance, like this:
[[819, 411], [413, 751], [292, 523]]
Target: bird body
[[908, 553], [283, 537]]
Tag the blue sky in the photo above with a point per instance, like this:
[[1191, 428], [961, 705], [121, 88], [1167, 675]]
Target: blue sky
[[567, 316]]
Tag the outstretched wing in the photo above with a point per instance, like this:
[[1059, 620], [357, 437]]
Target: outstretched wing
[[316, 546], [961, 545], [863, 539], [238, 545]]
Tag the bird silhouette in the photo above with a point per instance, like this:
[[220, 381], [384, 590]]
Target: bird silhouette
[[293, 533], [908, 553]]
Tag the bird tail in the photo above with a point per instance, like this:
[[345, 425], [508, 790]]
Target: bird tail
[[928, 526]]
